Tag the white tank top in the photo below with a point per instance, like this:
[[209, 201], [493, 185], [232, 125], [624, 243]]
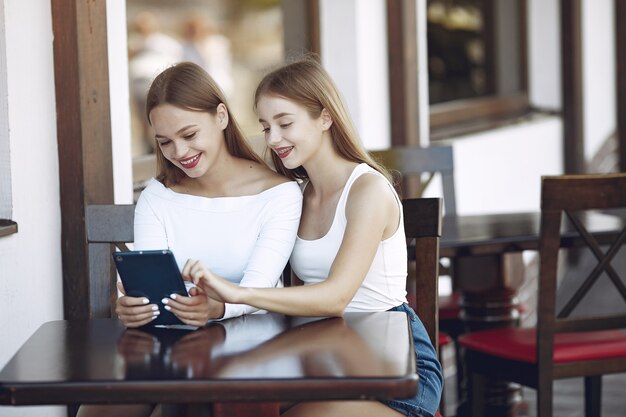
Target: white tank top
[[384, 285]]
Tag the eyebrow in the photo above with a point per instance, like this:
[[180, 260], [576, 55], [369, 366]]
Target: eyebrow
[[182, 129], [278, 116]]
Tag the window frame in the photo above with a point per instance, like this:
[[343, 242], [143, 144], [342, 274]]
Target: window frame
[[472, 115]]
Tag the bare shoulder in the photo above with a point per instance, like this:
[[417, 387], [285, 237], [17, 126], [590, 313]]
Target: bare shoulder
[[371, 190], [260, 178]]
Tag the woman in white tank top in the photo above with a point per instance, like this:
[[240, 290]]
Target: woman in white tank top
[[350, 251]]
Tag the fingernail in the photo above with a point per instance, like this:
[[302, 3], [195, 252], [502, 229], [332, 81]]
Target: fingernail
[[168, 308], [145, 301], [165, 300], [173, 296], [154, 317], [155, 308], [156, 313]]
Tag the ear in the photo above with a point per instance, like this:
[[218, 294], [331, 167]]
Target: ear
[[221, 112], [327, 120]]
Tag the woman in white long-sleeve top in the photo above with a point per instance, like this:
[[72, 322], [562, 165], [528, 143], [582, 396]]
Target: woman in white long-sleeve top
[[213, 200]]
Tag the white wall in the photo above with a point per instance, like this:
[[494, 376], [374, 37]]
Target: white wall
[[30, 261], [544, 56], [599, 83], [120, 102], [499, 170], [354, 51]]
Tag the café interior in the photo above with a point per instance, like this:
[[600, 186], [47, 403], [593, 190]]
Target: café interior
[[498, 110]]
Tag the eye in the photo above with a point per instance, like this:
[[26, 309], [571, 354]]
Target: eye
[[286, 125], [189, 136], [164, 142], [265, 129]]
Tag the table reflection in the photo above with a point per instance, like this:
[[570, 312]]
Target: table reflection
[[254, 346]]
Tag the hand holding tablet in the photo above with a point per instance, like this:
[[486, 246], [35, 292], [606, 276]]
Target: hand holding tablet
[[153, 275]]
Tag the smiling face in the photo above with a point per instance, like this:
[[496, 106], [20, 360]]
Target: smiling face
[[290, 131], [190, 140]]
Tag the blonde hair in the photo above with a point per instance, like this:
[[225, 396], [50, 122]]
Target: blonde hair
[[306, 83], [187, 86]]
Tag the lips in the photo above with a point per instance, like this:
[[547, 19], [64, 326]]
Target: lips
[[283, 152], [190, 162]]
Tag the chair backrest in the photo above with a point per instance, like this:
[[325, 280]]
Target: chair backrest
[[422, 222], [415, 160], [570, 197], [108, 226]]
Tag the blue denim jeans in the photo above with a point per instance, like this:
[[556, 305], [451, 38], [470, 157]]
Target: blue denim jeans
[[430, 382]]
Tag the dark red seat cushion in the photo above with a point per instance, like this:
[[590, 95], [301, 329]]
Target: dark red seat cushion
[[449, 306], [444, 339], [520, 344]]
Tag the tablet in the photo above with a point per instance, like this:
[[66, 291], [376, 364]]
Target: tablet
[[152, 274]]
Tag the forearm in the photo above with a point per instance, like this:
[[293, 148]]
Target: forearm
[[317, 300]]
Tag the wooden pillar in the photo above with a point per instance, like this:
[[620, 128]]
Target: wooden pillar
[[403, 98], [572, 86], [301, 24], [620, 43], [84, 142]]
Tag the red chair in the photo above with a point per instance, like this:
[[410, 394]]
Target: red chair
[[563, 345]]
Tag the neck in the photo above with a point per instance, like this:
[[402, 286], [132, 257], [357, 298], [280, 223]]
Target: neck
[[329, 173], [216, 181]]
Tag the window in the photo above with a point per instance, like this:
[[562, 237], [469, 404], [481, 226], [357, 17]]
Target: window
[[476, 64], [236, 42]]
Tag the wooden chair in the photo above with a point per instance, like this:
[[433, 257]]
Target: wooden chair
[[108, 226], [563, 345], [422, 222], [412, 161]]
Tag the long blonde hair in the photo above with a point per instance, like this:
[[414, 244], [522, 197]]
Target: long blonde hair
[[306, 83], [187, 86]]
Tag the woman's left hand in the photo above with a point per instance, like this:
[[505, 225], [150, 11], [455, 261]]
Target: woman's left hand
[[196, 309]]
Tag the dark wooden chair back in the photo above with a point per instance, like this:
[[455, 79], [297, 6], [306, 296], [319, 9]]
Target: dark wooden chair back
[[108, 227], [422, 222], [590, 348], [414, 161], [569, 197]]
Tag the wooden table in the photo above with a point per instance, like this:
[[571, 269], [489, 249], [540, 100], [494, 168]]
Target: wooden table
[[487, 266], [252, 359], [488, 270]]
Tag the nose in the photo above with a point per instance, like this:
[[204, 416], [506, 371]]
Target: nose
[[272, 137], [180, 149]]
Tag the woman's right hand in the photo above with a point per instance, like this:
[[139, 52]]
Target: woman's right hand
[[134, 311], [213, 285]]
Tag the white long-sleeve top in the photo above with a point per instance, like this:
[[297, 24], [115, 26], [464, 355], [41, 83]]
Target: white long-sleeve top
[[246, 239]]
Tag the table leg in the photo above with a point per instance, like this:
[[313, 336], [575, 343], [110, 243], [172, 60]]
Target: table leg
[[488, 286]]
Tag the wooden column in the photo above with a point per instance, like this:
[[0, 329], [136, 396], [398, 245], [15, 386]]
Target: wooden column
[[572, 86], [84, 142], [402, 45], [620, 43], [301, 24]]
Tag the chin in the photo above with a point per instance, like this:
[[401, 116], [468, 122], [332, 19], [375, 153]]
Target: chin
[[290, 164]]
